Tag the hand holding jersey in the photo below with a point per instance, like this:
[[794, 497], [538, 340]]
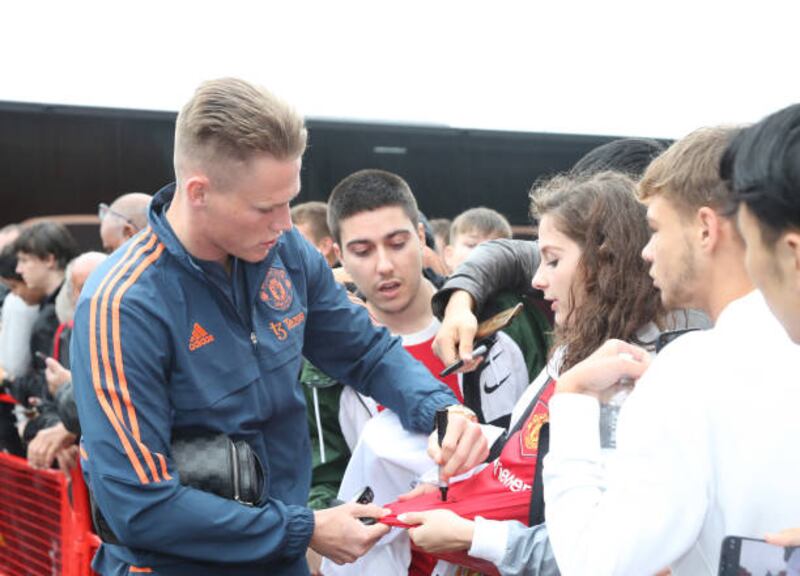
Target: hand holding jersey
[[341, 536], [439, 530]]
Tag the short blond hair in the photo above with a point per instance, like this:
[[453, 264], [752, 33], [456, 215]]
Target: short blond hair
[[230, 119], [315, 214], [687, 173], [482, 221]]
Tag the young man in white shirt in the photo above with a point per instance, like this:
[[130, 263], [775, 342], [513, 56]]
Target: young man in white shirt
[[373, 217], [761, 165], [704, 442]]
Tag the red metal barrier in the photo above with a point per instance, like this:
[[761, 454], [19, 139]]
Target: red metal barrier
[[45, 527]]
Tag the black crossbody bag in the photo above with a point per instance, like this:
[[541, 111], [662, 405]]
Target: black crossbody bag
[[207, 461]]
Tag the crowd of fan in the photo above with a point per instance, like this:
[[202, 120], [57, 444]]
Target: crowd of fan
[[41, 276], [638, 244]]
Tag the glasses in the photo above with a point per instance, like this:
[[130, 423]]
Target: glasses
[[103, 210]]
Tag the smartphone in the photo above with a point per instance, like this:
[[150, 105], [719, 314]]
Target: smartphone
[[497, 322], [485, 335], [365, 496], [756, 557]]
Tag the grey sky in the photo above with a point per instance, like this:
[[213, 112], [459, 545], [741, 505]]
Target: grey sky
[[607, 67]]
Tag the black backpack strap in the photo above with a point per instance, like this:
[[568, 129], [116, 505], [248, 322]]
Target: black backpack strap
[[536, 512], [666, 337], [471, 388], [471, 382]]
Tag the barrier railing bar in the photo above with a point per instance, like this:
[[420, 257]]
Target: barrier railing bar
[[24, 518], [42, 540], [27, 494], [46, 565], [21, 568], [31, 498], [44, 521]]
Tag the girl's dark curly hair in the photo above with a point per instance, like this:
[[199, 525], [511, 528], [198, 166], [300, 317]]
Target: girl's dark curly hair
[[601, 214]]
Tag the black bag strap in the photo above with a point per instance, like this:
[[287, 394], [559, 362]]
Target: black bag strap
[[471, 381], [471, 388], [536, 511]]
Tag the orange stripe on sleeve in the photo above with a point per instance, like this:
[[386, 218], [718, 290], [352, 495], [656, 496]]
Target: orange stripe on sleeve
[[115, 335], [104, 323], [84, 455], [95, 367], [163, 462], [104, 338], [140, 570]]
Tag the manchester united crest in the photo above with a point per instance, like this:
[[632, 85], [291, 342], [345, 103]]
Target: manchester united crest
[[276, 290], [529, 438]]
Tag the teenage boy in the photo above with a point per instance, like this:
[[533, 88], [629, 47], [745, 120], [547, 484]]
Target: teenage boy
[[374, 220], [311, 220], [470, 228], [43, 251]]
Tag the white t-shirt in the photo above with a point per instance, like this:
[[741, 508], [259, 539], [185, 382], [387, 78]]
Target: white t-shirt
[[503, 379], [706, 447], [391, 460], [355, 409], [15, 334]]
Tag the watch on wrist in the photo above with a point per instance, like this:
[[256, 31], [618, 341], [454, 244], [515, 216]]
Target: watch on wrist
[[463, 411]]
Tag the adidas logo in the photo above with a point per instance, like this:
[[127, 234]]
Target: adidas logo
[[199, 337]]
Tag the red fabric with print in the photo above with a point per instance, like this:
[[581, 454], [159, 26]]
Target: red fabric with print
[[501, 491], [424, 353]]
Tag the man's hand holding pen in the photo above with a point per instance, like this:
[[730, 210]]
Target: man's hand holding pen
[[463, 447]]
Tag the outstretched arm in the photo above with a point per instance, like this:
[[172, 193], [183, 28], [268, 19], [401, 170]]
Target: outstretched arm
[[492, 267]]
